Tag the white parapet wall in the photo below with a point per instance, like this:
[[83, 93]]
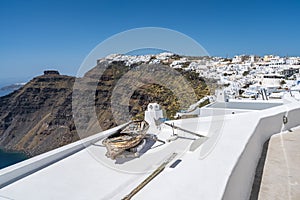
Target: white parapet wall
[[236, 107], [29, 166], [293, 116], [270, 122]]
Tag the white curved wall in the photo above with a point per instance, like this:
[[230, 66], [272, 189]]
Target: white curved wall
[[241, 179]]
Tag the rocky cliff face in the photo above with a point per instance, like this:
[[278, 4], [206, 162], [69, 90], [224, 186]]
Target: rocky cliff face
[[38, 117]]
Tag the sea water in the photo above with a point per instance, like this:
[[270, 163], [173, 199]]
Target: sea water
[[4, 92], [10, 158], [9, 82]]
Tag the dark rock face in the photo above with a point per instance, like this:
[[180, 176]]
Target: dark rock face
[[51, 72], [38, 117]]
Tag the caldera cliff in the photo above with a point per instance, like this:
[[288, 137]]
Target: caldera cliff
[[38, 117]]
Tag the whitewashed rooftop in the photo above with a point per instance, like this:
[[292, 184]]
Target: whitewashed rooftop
[[223, 167]]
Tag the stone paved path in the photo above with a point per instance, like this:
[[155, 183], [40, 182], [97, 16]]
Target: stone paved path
[[281, 174]]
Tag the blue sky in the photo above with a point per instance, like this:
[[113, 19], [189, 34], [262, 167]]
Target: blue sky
[[38, 35]]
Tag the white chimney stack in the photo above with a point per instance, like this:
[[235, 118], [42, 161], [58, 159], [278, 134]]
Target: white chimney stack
[[152, 116]]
